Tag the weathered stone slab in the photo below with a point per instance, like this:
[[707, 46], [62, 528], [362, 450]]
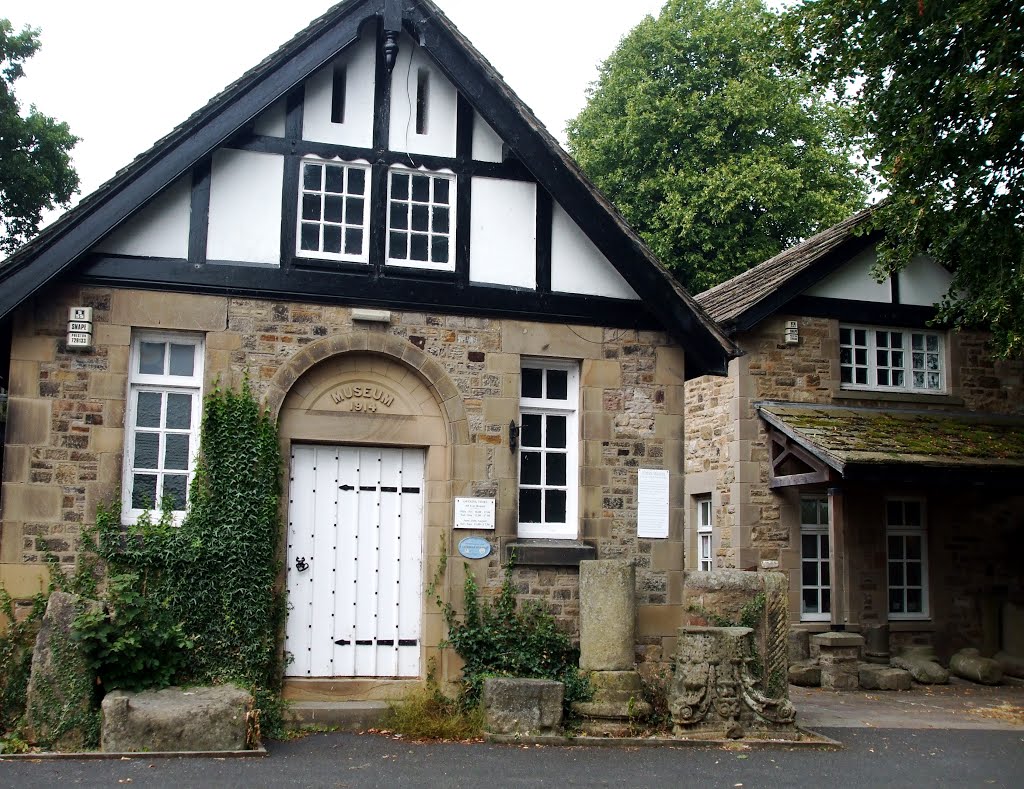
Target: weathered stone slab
[[969, 664], [922, 664], [59, 700], [522, 706], [176, 719], [607, 615], [1011, 665], [805, 673], [876, 677]]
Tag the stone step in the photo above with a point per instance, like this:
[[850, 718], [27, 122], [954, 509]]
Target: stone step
[[343, 715]]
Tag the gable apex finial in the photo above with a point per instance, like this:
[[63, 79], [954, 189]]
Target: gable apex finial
[[392, 29]]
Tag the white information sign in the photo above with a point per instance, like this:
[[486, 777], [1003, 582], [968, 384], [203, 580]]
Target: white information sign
[[474, 513], [652, 503]]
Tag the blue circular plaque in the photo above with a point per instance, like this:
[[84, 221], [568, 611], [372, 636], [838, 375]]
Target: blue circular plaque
[[474, 547]]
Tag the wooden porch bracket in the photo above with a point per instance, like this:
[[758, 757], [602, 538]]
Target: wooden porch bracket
[[783, 449]]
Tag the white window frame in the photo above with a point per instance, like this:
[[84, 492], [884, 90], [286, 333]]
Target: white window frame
[[568, 408], [320, 254], [165, 384], [705, 533], [878, 358], [903, 531], [818, 530], [407, 262]]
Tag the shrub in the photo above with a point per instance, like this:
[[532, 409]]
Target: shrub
[[500, 638]]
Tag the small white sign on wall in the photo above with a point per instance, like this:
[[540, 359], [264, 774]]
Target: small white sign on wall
[[652, 503], [474, 513]]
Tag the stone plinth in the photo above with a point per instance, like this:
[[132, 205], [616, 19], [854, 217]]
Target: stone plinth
[[176, 719], [839, 658], [522, 706], [759, 600], [607, 615], [713, 695]]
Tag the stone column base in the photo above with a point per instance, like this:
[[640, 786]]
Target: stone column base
[[617, 703]]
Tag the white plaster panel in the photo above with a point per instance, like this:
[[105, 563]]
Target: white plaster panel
[[270, 122], [487, 145], [503, 240], [578, 266], [439, 139], [854, 281], [923, 282], [360, 69], [245, 207], [160, 229]]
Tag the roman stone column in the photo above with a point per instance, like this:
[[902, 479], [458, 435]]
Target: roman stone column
[[607, 641]]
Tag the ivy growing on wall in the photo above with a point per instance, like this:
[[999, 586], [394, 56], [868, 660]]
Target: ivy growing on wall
[[498, 637], [198, 604]]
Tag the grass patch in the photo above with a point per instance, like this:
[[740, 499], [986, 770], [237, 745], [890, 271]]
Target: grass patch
[[427, 714]]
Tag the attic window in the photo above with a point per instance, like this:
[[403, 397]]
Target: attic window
[[333, 215], [422, 99], [890, 359], [421, 220], [338, 95]]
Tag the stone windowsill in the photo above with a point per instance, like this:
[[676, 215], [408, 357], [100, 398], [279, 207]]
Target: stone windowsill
[[549, 553], [897, 397]]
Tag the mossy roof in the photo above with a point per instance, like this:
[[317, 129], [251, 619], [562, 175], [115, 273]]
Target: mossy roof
[[844, 436]]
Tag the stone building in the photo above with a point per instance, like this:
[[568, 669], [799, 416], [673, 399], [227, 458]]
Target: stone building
[[456, 332], [874, 458]]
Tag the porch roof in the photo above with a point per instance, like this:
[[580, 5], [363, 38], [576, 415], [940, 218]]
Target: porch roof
[[923, 446]]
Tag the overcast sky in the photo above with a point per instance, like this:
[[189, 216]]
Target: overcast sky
[[123, 73]]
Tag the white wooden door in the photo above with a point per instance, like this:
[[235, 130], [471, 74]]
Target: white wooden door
[[355, 526]]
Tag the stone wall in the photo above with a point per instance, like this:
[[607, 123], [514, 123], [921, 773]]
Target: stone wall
[[729, 443], [65, 442]]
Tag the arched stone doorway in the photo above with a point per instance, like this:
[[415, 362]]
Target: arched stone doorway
[[367, 424]]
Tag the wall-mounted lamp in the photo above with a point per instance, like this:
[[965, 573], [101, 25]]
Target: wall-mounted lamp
[[513, 436]]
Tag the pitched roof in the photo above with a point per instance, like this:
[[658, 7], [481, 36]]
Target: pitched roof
[[58, 246], [876, 443], [748, 298]]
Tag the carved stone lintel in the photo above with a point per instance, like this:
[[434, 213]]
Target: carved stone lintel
[[390, 49]]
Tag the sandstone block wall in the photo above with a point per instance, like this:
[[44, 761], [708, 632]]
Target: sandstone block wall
[[64, 449]]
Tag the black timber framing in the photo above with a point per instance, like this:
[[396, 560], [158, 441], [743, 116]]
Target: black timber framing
[[544, 229], [235, 109], [512, 169], [463, 188], [576, 195], [209, 129], [199, 212], [781, 297], [411, 289], [851, 311]]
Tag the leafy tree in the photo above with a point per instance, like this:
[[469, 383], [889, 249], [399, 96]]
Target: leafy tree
[[717, 152], [938, 88], [35, 162]]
